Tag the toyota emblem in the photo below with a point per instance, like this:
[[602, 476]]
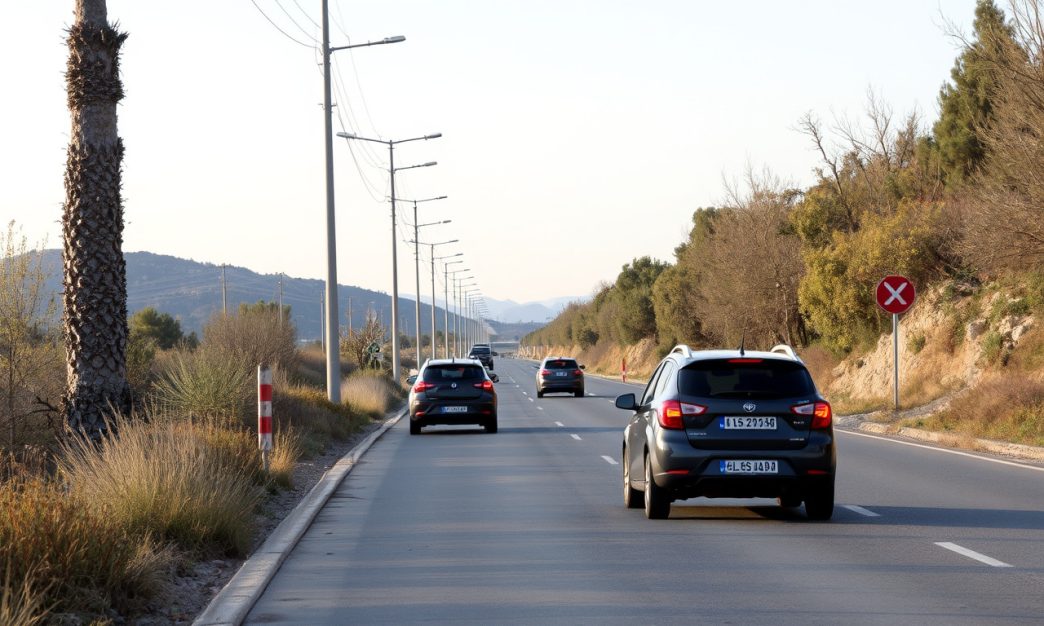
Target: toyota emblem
[[749, 407], [454, 386]]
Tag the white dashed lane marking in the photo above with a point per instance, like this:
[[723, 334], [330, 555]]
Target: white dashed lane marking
[[855, 508], [610, 460], [530, 399], [560, 424], [971, 554], [540, 408], [575, 436]]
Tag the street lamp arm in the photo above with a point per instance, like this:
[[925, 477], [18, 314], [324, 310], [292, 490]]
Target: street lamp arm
[[393, 39]]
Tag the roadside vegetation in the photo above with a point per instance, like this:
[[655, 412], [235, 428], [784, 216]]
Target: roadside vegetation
[[953, 203], [95, 529]]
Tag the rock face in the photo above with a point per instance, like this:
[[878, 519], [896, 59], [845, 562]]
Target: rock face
[[937, 347]]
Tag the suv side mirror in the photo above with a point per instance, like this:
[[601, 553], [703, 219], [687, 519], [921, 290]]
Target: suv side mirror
[[627, 402], [411, 379], [583, 367], [494, 354]]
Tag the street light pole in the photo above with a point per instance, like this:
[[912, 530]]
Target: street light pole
[[433, 300], [416, 267], [331, 332], [395, 258]]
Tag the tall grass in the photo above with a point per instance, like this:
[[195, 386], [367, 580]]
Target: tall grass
[[370, 393], [209, 384], [21, 604], [63, 553], [1007, 408], [169, 479]]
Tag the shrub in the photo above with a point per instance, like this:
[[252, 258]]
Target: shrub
[[71, 551], [368, 393], [916, 343], [212, 385], [253, 336], [166, 478], [992, 345]]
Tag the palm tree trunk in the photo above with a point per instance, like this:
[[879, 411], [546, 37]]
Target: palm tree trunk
[[95, 282]]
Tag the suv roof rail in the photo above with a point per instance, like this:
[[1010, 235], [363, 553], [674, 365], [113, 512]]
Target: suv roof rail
[[683, 350], [785, 349]]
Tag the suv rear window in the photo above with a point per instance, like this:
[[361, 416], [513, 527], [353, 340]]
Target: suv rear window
[[440, 373], [480, 350], [561, 364], [756, 379]]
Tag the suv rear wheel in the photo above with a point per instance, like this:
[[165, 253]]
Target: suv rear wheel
[[491, 426], [657, 504], [415, 428], [819, 503]]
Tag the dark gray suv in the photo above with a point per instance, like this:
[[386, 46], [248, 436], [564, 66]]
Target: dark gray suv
[[729, 424], [560, 374]]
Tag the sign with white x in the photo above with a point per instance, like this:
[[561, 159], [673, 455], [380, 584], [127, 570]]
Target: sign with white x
[[896, 294]]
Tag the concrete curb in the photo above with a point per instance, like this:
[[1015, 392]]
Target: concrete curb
[[232, 604], [950, 440]]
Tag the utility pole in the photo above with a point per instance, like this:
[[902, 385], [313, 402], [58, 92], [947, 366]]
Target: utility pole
[[433, 301], [322, 322], [445, 307], [224, 292], [333, 353], [416, 272], [280, 301], [349, 317]]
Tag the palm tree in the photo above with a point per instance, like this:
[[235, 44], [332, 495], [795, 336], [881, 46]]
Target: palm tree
[[95, 281]]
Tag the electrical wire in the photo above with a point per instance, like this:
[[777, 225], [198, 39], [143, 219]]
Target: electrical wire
[[299, 27], [285, 34]]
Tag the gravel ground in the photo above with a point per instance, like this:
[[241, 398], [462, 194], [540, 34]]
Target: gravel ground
[[193, 590]]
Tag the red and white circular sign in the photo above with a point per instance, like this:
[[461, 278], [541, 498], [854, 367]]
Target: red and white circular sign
[[896, 294]]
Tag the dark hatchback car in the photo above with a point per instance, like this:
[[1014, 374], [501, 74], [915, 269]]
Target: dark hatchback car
[[453, 391], [729, 424], [560, 374]]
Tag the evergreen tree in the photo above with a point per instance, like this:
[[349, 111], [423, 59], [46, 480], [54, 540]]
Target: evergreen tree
[[966, 105]]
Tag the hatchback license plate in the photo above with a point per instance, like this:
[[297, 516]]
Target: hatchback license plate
[[454, 409], [749, 467], [747, 422]]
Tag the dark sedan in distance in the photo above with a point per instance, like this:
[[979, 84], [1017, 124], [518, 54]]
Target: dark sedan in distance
[[560, 374], [452, 391]]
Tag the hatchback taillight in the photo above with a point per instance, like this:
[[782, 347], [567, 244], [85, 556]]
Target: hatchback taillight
[[485, 385], [422, 386], [822, 416], [671, 411]]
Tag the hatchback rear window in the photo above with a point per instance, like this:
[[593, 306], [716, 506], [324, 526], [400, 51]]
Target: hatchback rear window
[[439, 373], [561, 364], [755, 379]]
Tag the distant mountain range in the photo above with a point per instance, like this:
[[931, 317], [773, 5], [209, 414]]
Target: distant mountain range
[[192, 292]]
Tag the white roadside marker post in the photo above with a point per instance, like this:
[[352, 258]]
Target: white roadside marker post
[[264, 413]]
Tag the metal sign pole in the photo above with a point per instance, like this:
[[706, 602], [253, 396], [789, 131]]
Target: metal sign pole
[[895, 356]]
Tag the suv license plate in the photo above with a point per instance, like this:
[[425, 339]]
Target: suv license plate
[[561, 373], [749, 467], [454, 409], [747, 422]]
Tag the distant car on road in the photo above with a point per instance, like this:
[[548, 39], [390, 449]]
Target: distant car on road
[[452, 391], [729, 424], [483, 353], [560, 374]]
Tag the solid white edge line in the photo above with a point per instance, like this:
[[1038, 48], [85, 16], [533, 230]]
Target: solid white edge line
[[560, 424], [575, 436], [855, 508], [610, 460], [971, 554], [946, 450]]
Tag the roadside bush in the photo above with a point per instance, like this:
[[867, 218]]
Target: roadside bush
[[314, 419], [169, 479], [372, 394], [63, 553], [256, 334], [209, 384]]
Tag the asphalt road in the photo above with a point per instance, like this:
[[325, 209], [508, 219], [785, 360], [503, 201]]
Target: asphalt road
[[527, 526]]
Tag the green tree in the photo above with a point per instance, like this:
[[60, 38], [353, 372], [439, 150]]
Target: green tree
[[967, 103], [636, 317], [149, 323], [95, 274]]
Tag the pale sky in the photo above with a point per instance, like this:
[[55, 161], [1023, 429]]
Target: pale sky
[[577, 134]]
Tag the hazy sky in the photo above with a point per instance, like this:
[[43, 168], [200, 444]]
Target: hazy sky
[[577, 135]]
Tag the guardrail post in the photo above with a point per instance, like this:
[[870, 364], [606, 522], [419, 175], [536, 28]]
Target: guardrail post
[[264, 413]]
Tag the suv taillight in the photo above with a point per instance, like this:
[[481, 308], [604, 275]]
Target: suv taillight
[[822, 416], [578, 373], [671, 411], [422, 386], [545, 373], [485, 385]]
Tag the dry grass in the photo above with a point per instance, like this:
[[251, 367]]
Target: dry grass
[[314, 419], [820, 363], [21, 604], [1005, 408], [369, 394], [69, 555], [171, 480]]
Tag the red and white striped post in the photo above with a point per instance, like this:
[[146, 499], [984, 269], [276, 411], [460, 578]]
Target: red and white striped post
[[623, 369], [264, 413]]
